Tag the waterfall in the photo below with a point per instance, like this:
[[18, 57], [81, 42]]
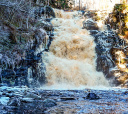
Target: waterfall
[[71, 60]]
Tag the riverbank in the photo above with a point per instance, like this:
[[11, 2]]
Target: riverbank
[[27, 100]]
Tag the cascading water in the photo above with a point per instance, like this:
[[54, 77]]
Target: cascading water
[[70, 62]]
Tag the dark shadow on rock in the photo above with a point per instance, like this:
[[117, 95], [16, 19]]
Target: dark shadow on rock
[[49, 103], [92, 96]]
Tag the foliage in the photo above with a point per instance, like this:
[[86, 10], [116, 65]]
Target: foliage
[[118, 19], [119, 7], [61, 4]]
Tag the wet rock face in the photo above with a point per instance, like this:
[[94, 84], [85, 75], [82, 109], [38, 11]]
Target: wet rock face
[[33, 60], [106, 42], [19, 76], [21, 42], [111, 54], [90, 25]]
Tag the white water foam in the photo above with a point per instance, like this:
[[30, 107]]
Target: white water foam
[[71, 62]]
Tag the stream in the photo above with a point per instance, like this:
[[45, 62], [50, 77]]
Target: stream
[[23, 100]]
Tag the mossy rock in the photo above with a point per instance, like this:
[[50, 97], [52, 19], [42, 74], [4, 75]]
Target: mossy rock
[[119, 7]]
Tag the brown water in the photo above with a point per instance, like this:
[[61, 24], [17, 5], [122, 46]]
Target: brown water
[[71, 62]]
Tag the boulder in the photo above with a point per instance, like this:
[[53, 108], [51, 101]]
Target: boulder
[[27, 100], [89, 24], [92, 96], [32, 95], [14, 102], [49, 103]]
